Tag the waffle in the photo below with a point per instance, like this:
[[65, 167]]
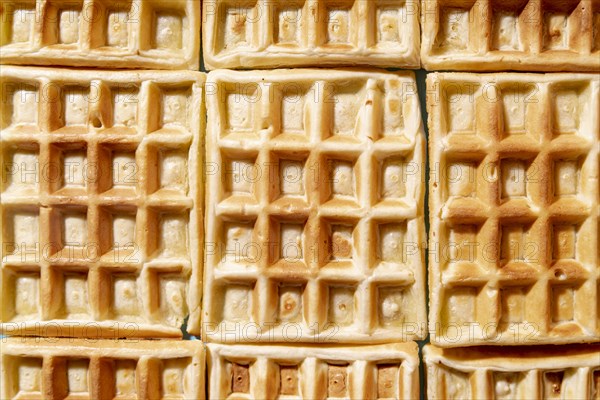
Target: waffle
[[101, 33], [522, 35], [388, 371], [101, 369], [286, 33], [314, 207], [101, 206], [514, 211], [565, 372]]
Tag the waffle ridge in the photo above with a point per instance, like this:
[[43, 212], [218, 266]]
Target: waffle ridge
[[266, 33], [101, 206], [521, 35], [311, 372], [148, 34], [302, 157], [531, 372], [514, 208], [34, 368]]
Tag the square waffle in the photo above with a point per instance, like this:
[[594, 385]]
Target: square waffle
[[388, 371], [50, 369], [514, 208], [101, 33], [101, 204], [522, 35], [314, 207], [541, 372], [286, 33]]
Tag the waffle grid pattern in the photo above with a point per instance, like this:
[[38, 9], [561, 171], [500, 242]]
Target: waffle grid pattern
[[490, 35], [101, 33], [514, 209], [39, 369], [549, 373], [378, 372], [101, 209], [267, 33], [307, 173]]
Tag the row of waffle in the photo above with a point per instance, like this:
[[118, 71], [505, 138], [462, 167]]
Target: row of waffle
[[105, 369], [478, 35], [304, 218]]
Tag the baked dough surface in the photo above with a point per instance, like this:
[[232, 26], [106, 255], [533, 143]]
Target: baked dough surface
[[513, 208], [102, 202], [281, 33], [522, 35], [148, 34], [315, 207]]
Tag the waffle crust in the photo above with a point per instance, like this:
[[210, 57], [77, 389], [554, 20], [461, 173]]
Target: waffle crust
[[521, 35], [266, 33], [534, 372], [360, 372], [49, 369], [101, 204], [148, 34], [514, 208], [314, 207]]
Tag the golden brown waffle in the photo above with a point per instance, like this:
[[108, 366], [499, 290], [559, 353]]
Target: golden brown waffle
[[101, 203], [519, 373], [51, 369], [101, 33], [525, 35], [388, 371], [514, 211], [315, 207], [285, 33]]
